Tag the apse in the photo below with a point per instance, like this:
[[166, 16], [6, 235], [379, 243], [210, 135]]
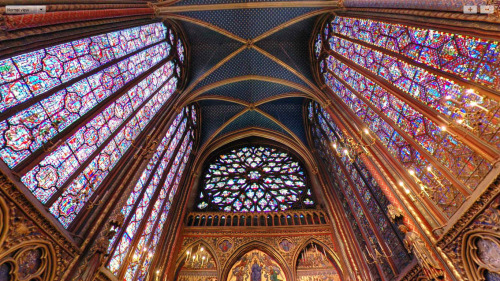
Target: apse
[[263, 140]]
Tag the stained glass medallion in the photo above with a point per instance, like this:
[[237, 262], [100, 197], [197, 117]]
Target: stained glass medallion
[[254, 179]]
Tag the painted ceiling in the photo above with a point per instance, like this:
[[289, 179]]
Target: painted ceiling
[[249, 65]]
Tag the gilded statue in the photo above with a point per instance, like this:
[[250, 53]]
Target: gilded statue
[[414, 244]]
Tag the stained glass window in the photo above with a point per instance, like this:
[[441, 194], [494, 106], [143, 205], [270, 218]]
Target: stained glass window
[[254, 179], [79, 106], [362, 199], [445, 167], [470, 58], [147, 207]]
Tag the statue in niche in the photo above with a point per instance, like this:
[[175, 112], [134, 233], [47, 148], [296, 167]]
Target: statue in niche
[[395, 214], [414, 244], [99, 251]]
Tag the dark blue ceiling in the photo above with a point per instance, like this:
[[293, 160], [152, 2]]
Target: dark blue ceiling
[[289, 45], [249, 62], [250, 91], [248, 23], [207, 48]]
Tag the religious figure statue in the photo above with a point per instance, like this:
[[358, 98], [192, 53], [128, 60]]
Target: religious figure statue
[[394, 212], [414, 244], [256, 272]]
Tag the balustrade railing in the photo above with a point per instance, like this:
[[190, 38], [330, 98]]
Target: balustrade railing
[[285, 218]]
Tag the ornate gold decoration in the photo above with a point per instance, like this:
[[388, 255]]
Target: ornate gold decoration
[[33, 260], [99, 250], [492, 191], [394, 213], [481, 253], [4, 221], [35, 216], [414, 244], [478, 249]]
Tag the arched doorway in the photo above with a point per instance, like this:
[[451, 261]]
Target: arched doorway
[[256, 266]]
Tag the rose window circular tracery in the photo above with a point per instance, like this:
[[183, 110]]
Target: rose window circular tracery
[[254, 179]]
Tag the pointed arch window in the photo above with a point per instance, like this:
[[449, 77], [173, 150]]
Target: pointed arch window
[[390, 77], [254, 179], [70, 112], [362, 198], [147, 207]]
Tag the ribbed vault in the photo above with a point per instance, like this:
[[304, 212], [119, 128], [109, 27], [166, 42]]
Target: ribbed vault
[[250, 65]]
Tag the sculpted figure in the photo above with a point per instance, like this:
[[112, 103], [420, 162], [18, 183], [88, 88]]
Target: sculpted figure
[[414, 244]]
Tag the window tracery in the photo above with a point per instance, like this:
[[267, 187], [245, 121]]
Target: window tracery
[[80, 106], [360, 73], [148, 205], [360, 195], [254, 179]]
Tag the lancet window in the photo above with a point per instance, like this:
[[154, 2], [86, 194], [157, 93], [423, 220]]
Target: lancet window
[[146, 209], [254, 179], [69, 112], [361, 196], [391, 76]]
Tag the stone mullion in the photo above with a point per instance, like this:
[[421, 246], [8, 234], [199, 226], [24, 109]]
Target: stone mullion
[[394, 163], [333, 207], [82, 167], [178, 209], [419, 228], [35, 42], [363, 231], [368, 215], [125, 171], [17, 108], [466, 191], [340, 220], [37, 156], [119, 201], [370, 188], [155, 225], [400, 132], [482, 90], [176, 220], [445, 171], [420, 225], [141, 195], [140, 229], [388, 192], [486, 151]]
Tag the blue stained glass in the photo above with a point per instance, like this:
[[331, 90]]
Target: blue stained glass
[[250, 174]]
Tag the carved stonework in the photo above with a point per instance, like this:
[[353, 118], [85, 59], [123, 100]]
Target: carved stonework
[[287, 246], [466, 219], [475, 251], [26, 252], [413, 273], [26, 207]]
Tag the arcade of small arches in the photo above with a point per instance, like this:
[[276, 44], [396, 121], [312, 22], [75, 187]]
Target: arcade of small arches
[[191, 140]]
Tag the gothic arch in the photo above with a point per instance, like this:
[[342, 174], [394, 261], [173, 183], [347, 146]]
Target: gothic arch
[[33, 260], [198, 243], [4, 221], [475, 257], [331, 255], [255, 245]]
